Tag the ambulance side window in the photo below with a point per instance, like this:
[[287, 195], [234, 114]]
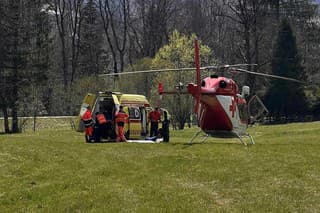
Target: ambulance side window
[[134, 113]]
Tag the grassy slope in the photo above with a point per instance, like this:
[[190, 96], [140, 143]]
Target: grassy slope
[[55, 171]]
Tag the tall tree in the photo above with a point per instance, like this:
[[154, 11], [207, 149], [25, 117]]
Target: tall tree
[[115, 15], [75, 23], [285, 98], [25, 55], [60, 10], [91, 41], [155, 25], [156, 19], [68, 21], [39, 59], [4, 87], [179, 52], [16, 56], [249, 18]]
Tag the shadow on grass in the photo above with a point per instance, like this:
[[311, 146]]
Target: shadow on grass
[[187, 145], [7, 133]]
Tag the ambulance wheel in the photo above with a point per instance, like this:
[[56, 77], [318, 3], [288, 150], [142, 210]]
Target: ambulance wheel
[[113, 135], [96, 139]]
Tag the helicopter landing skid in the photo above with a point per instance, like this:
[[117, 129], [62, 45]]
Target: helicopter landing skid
[[246, 135], [223, 134], [196, 135]]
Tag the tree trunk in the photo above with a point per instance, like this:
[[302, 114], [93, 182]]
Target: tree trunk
[[14, 107], [256, 56], [64, 61], [248, 60], [35, 118], [14, 100], [5, 120], [121, 61], [277, 8], [15, 122], [59, 8], [76, 36]]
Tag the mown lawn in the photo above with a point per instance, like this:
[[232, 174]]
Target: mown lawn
[[55, 171]]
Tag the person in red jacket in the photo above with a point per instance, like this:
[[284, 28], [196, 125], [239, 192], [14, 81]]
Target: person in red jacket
[[154, 117], [121, 119], [101, 123], [88, 124]]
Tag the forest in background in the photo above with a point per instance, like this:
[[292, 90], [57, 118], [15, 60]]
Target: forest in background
[[53, 51]]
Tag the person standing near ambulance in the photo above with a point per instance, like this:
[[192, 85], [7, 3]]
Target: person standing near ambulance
[[88, 123], [101, 123], [165, 126], [154, 117], [121, 119]]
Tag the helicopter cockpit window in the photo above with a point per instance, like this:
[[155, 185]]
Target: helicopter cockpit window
[[222, 84], [134, 113]]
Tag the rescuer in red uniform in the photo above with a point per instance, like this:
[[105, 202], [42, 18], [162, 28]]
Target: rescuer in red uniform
[[154, 117], [88, 124], [109, 115], [101, 123], [121, 119]]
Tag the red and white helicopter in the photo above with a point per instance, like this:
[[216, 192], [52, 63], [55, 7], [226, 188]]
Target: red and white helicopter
[[221, 110]]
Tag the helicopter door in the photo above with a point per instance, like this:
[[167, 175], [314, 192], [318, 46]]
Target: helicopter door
[[256, 109]]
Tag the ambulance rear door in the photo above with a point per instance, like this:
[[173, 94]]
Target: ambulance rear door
[[134, 122], [89, 99]]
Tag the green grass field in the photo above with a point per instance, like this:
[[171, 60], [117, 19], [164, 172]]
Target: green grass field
[[55, 171]]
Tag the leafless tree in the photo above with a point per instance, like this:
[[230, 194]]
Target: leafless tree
[[60, 11], [68, 21], [75, 19], [114, 15], [155, 16]]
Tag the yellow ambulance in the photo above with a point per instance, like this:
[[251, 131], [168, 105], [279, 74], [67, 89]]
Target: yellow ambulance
[[136, 106]]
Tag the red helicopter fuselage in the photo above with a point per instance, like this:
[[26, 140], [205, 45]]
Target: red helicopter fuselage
[[221, 108]]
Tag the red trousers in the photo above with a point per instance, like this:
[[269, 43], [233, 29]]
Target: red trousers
[[88, 130], [120, 135]]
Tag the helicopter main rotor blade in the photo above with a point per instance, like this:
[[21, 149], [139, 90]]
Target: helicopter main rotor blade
[[148, 71], [176, 69], [227, 66], [269, 75], [204, 68]]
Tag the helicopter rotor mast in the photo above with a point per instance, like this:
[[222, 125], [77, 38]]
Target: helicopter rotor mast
[[198, 76]]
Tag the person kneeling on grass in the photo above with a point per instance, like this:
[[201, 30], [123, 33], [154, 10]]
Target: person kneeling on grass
[[121, 119]]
